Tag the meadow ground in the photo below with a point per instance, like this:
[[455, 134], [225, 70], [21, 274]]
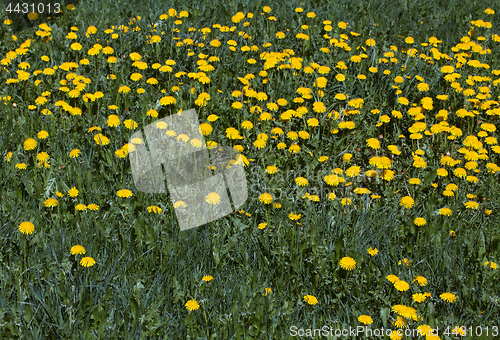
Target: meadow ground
[[368, 136]]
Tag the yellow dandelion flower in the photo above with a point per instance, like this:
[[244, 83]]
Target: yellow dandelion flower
[[445, 211], [401, 285], [124, 193], [347, 263], [419, 297], [87, 262], [491, 264], [74, 153], [448, 297], [265, 198], [365, 319], [373, 143], [73, 192], [50, 203], [421, 281], [407, 202], [301, 181], [192, 305], [30, 144], [310, 299], [213, 198], [419, 221], [392, 278], [77, 250], [93, 207], [207, 278], [471, 205], [81, 207], [26, 228]]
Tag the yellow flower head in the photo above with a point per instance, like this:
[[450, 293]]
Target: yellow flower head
[[26, 228], [406, 202], [265, 198], [347, 263], [30, 144], [87, 261], [73, 192], [213, 198], [192, 305], [124, 193], [207, 278], [77, 250], [402, 286], [448, 297], [310, 299], [365, 319]]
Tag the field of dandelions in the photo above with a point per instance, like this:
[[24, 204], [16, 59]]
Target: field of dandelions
[[369, 136]]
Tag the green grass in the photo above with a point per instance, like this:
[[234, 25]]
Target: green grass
[[147, 269]]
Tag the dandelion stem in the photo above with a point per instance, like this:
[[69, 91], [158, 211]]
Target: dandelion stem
[[24, 254], [206, 322], [34, 163]]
